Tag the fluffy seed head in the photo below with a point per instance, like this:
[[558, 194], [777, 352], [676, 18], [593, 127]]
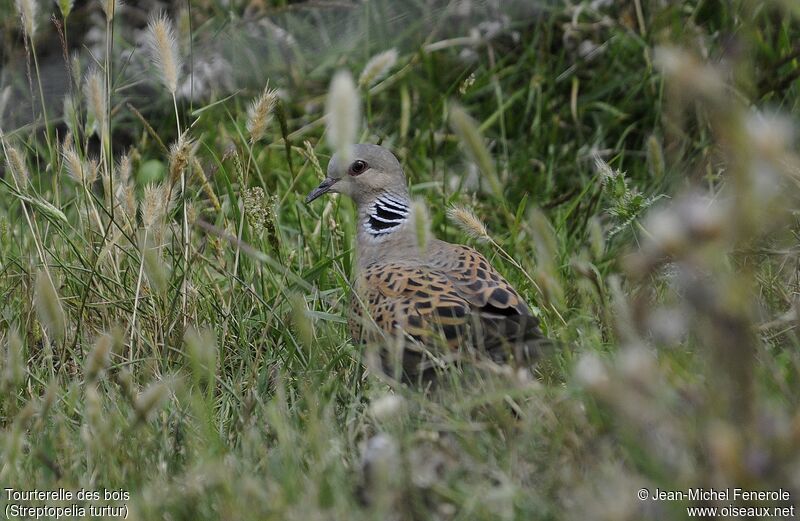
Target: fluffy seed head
[[259, 113], [124, 379], [544, 238], [377, 67], [155, 204], [688, 73], [771, 133], [163, 48], [70, 113], [17, 166], [13, 373], [98, 359], [124, 170], [75, 67], [591, 372], [91, 171], [95, 91], [470, 136], [469, 223], [157, 273], [655, 157], [387, 407], [93, 408], [125, 194], [49, 307], [312, 156], [380, 460], [50, 395], [303, 327], [27, 10], [72, 162], [180, 153], [207, 188], [344, 114], [201, 347], [5, 95], [150, 399]]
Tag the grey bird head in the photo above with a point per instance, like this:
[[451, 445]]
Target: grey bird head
[[369, 171]]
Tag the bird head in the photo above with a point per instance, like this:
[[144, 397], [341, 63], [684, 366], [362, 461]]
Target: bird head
[[368, 171]]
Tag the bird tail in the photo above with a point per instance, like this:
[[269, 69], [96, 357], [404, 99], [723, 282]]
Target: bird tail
[[516, 338]]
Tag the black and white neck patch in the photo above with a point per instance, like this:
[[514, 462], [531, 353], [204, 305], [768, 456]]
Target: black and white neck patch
[[385, 215]]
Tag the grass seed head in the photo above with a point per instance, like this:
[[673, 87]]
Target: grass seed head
[[259, 113], [344, 114], [201, 346], [155, 204], [95, 92], [72, 161], [65, 6], [471, 139], [303, 326], [180, 154], [124, 379], [256, 207], [92, 168], [544, 239], [688, 74], [48, 305], [98, 359], [469, 223], [380, 459], [125, 193], [387, 407], [154, 267], [377, 67], [14, 368], [150, 399], [163, 48], [110, 8], [51, 394], [28, 11], [93, 406], [123, 170], [597, 240], [655, 157], [592, 373], [5, 95], [312, 156], [75, 68], [771, 134], [18, 167], [206, 185]]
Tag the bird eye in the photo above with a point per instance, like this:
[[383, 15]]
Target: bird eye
[[357, 167]]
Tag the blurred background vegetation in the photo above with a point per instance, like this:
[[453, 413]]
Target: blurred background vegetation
[[173, 315]]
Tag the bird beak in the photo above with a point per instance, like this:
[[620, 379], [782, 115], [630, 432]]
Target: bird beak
[[323, 188]]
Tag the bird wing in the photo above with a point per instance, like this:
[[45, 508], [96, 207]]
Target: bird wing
[[410, 299], [478, 282], [422, 301]]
